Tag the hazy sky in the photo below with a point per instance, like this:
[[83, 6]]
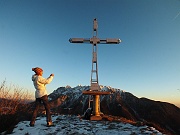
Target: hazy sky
[[147, 62]]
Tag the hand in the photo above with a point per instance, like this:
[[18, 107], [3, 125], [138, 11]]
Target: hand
[[52, 75]]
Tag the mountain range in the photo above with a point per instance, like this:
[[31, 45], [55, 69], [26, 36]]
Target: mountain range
[[164, 116]]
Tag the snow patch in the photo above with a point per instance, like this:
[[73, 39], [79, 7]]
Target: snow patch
[[66, 125]]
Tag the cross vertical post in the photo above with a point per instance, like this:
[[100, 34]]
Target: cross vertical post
[[95, 88], [94, 72]]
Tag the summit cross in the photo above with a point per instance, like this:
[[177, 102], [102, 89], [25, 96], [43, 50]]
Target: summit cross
[[95, 88]]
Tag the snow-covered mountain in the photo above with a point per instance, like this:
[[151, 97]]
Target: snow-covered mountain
[[74, 95]]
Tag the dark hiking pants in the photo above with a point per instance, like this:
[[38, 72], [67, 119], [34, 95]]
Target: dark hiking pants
[[38, 101]]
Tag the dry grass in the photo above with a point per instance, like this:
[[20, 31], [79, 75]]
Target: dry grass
[[13, 105], [12, 97]]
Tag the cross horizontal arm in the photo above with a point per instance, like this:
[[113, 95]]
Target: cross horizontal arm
[[110, 41], [95, 40], [78, 40]]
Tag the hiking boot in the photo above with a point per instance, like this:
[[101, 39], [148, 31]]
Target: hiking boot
[[31, 124], [49, 124]]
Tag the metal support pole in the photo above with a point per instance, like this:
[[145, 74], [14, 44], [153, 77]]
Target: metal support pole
[[96, 106]]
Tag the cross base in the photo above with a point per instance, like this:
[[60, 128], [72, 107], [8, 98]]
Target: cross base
[[93, 117], [96, 104]]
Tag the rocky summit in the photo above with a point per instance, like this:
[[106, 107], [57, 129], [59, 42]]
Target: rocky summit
[[74, 125]]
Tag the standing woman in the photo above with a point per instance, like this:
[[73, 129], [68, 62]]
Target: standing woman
[[41, 94]]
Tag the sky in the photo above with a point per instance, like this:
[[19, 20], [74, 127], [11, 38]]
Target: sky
[[36, 33]]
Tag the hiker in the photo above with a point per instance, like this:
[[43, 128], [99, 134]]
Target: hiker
[[41, 95]]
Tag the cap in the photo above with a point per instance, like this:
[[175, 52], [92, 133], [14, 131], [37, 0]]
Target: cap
[[37, 69]]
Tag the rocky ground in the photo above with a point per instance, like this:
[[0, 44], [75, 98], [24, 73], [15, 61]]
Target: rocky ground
[[74, 125]]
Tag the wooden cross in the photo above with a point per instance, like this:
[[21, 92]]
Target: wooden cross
[[94, 88]]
